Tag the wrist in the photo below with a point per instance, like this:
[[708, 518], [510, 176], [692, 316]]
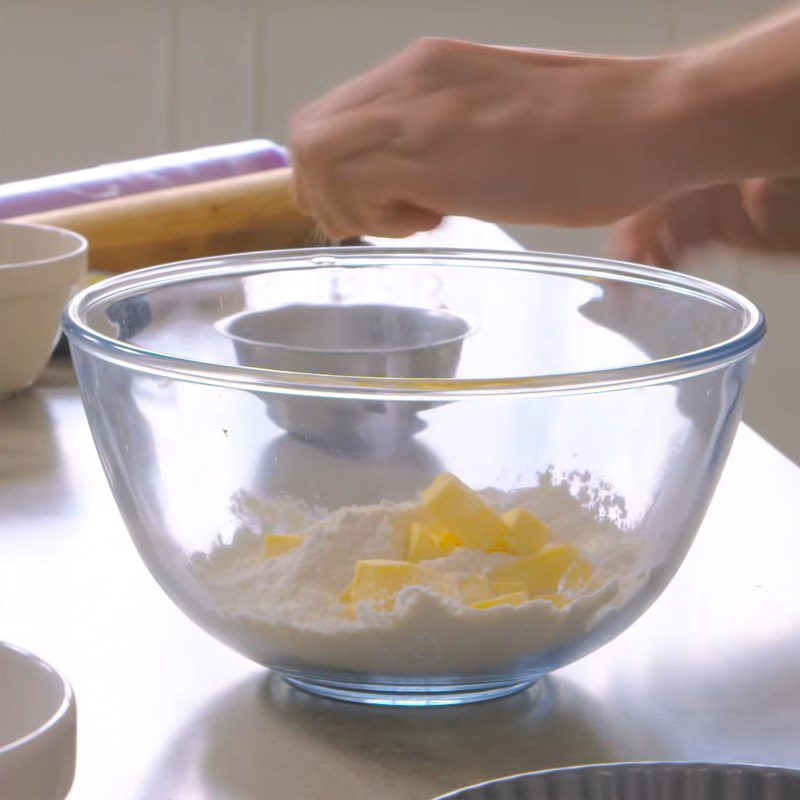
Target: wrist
[[728, 114]]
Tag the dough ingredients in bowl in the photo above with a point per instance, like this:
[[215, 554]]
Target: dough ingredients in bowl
[[389, 588]]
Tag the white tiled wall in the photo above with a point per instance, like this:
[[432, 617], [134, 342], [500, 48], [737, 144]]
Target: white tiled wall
[[87, 81]]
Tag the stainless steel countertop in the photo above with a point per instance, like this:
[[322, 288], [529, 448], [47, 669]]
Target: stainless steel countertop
[[710, 672]]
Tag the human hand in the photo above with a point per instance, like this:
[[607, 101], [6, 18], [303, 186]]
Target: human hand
[[758, 215], [503, 134]]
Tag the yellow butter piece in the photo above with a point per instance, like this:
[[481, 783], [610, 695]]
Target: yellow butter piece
[[525, 534], [508, 587], [460, 510], [277, 544], [426, 542], [473, 587], [541, 572], [512, 599], [450, 540], [577, 575], [378, 581]]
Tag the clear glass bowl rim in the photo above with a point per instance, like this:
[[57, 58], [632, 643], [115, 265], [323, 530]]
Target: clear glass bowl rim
[[636, 375]]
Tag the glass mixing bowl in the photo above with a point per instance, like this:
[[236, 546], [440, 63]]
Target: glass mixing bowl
[[410, 476]]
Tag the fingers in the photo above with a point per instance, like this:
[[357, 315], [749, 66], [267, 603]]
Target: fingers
[[350, 180], [629, 242], [773, 206], [728, 219], [331, 137], [398, 220], [760, 214], [664, 234], [322, 151], [646, 238]]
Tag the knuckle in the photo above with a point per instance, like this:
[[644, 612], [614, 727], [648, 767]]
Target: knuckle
[[428, 51], [763, 204], [307, 142]]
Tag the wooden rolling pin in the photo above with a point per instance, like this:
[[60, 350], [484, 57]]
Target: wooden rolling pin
[[230, 215]]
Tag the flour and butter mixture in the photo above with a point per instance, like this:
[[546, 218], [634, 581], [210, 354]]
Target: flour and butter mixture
[[455, 581]]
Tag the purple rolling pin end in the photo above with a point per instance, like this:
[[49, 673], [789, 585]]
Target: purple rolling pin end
[[109, 181]]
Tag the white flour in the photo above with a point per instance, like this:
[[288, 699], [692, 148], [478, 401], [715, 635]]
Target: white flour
[[286, 611]]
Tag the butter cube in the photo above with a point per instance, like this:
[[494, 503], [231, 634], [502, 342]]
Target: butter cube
[[460, 510], [379, 580], [541, 572], [473, 587], [508, 587], [577, 575], [426, 542], [450, 540], [277, 544], [525, 534], [512, 599]]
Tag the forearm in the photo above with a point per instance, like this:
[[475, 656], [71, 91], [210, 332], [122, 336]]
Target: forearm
[[448, 127], [734, 105]]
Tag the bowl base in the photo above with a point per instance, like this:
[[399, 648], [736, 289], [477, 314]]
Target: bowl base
[[407, 696]]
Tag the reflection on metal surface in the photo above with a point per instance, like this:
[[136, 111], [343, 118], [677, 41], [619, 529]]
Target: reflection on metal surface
[[643, 782], [262, 733]]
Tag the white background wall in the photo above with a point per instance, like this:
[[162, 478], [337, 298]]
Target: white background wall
[[88, 81]]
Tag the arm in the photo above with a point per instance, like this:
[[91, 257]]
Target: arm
[[738, 103], [742, 96], [514, 135]]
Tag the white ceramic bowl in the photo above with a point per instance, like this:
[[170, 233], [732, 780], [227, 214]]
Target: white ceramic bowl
[[40, 269], [37, 728]]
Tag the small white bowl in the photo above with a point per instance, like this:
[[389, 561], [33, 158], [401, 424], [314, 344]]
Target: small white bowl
[[40, 269], [37, 728]]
